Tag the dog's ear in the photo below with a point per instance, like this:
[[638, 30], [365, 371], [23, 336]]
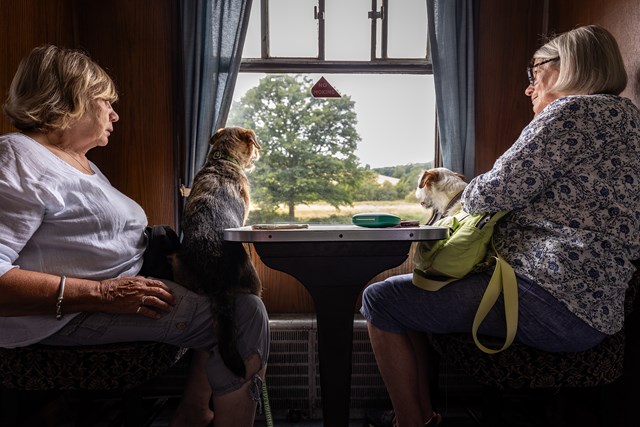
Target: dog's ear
[[462, 177], [249, 136], [428, 177], [220, 133]]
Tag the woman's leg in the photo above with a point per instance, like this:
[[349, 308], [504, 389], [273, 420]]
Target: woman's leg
[[194, 407], [235, 399], [238, 408], [400, 366], [190, 324], [397, 312], [421, 350]]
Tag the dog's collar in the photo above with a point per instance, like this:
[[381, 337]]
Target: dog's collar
[[453, 200], [435, 216], [438, 215], [219, 156]]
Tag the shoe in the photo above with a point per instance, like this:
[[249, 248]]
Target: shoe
[[379, 418], [435, 420], [387, 418]]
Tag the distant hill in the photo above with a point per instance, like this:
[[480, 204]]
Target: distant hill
[[394, 183], [381, 179], [403, 180], [411, 171]]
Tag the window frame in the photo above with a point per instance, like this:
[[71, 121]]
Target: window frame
[[376, 65]]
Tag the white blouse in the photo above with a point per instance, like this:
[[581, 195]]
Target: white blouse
[[57, 220]]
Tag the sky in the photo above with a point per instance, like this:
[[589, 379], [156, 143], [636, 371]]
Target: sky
[[396, 113]]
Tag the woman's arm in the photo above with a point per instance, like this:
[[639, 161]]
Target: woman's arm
[[548, 149], [27, 198], [24, 293]]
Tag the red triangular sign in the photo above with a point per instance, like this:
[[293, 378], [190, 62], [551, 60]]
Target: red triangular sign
[[322, 89]]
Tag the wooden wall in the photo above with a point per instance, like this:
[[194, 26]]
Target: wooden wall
[[621, 17], [25, 25], [137, 41], [508, 32], [134, 41]]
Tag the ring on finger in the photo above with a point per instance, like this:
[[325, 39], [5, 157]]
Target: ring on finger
[[144, 299], [138, 310]]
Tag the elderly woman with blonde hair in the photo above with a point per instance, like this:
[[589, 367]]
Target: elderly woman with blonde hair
[[72, 245]]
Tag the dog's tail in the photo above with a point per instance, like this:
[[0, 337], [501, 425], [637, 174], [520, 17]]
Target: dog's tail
[[236, 275], [224, 312]]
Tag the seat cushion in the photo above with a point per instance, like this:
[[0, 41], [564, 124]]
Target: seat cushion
[[100, 367], [520, 366]]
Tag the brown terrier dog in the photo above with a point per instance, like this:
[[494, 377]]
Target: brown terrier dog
[[440, 189], [205, 263]]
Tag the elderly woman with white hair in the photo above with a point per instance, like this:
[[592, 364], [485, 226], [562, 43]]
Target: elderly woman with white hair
[[570, 182]]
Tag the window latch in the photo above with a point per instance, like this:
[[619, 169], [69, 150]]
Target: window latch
[[374, 14]]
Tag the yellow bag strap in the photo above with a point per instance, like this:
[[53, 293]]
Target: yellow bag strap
[[503, 280]]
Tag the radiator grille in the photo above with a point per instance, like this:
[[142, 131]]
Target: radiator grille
[[293, 380], [293, 372], [291, 367]]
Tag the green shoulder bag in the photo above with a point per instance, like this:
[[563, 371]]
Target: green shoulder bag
[[440, 263]]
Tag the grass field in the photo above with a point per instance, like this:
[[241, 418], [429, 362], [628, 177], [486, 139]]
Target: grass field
[[324, 213]]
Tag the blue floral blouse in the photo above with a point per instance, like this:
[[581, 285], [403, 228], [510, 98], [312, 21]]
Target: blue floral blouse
[[572, 184]]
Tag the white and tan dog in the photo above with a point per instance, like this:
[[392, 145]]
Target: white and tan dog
[[205, 262], [439, 190]]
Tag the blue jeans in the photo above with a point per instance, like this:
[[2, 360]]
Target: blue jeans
[[396, 305]]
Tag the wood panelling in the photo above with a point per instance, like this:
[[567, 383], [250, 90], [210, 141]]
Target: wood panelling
[[24, 25], [283, 293], [621, 17], [134, 41], [507, 33]]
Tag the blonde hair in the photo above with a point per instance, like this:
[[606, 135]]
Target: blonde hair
[[590, 61], [53, 87]]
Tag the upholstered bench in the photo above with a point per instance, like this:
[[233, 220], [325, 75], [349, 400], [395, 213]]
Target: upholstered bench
[[523, 368], [117, 368]]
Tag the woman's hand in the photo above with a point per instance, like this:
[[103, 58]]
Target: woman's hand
[[136, 295]]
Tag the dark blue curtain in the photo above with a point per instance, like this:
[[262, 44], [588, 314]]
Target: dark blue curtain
[[213, 33], [452, 53]]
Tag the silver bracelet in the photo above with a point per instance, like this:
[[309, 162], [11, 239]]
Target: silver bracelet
[[63, 280]]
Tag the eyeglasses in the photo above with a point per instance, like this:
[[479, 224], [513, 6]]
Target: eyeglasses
[[531, 75]]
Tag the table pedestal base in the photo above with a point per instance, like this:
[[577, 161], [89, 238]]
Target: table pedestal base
[[334, 273]]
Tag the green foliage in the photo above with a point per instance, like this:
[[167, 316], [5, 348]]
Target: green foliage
[[408, 176], [402, 171], [308, 152], [371, 190], [308, 144], [266, 216]]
